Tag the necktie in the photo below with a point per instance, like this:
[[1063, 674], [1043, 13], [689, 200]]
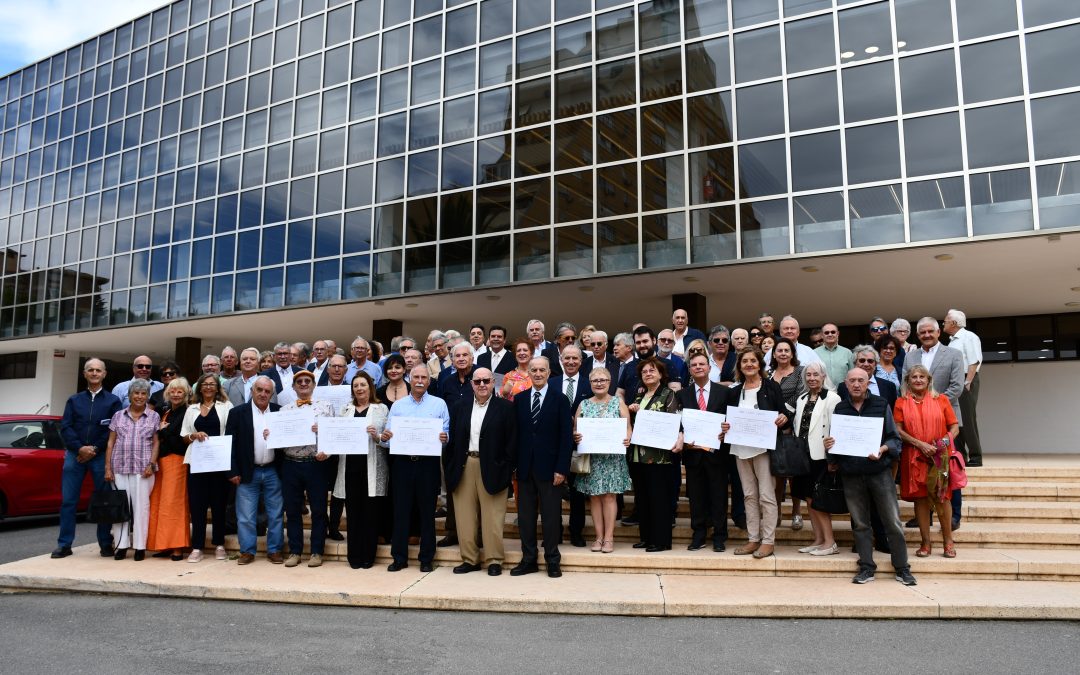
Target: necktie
[[570, 389], [536, 406], [701, 398], [495, 358]]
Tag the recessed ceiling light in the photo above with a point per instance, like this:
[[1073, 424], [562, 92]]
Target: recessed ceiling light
[[1072, 304], [809, 268], [872, 49], [846, 55], [493, 298], [584, 289], [411, 305], [690, 279], [900, 44], [943, 256]]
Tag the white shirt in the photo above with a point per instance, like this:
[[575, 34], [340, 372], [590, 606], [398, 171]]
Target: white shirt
[[970, 346], [929, 354], [475, 422], [286, 377], [263, 454], [532, 395], [478, 352], [748, 400], [496, 358], [317, 371], [680, 346]]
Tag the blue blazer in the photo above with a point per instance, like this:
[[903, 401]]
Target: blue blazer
[[691, 335], [544, 447], [242, 430], [584, 390]]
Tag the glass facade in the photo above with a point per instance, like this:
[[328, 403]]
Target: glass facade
[[227, 155]]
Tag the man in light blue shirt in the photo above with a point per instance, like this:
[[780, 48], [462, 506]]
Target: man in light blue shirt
[[140, 368], [360, 353]]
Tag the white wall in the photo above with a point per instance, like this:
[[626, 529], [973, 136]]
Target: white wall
[[26, 396], [1030, 407]]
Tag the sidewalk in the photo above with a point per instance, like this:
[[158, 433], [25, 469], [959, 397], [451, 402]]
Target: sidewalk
[[631, 594]]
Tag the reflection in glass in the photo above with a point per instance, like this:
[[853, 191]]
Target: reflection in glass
[[357, 237], [573, 196], [356, 276], [573, 43], [427, 38], [713, 237], [937, 209], [423, 172], [708, 119], [426, 81], [705, 17], [712, 176], [532, 255], [762, 169], [976, 18], [996, 135], [764, 228], [457, 166], [534, 53], [493, 111], [532, 203], [390, 180], [1001, 202], [865, 33], [992, 69], [1038, 12], [869, 92], [387, 273], [760, 110], [928, 81], [1052, 55], [809, 43], [421, 220], [395, 48], [297, 285], [616, 136], [658, 23], [749, 12], [757, 54], [816, 161], [923, 23], [496, 19], [460, 28], [813, 101], [493, 260], [573, 92], [358, 186], [573, 144], [617, 245], [533, 102], [708, 65], [1059, 194], [325, 281], [493, 159], [615, 84], [616, 190], [271, 287], [496, 63], [1053, 121], [532, 154], [932, 144], [873, 152], [662, 183], [819, 222], [393, 90], [615, 33], [455, 264], [573, 250], [424, 126], [661, 128], [460, 73], [797, 7], [493, 209], [391, 135]]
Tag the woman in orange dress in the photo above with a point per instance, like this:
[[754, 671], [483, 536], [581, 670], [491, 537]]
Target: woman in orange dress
[[517, 380], [927, 424]]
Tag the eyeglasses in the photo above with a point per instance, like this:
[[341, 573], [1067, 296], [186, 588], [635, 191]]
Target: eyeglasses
[[865, 360], [600, 381], [568, 338], [596, 344], [829, 332], [143, 366], [482, 381], [168, 373], [666, 339], [879, 329], [719, 341]]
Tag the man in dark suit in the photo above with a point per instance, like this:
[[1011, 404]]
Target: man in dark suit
[[454, 385], [254, 472], [496, 358], [574, 385], [541, 347], [598, 346], [282, 372], [706, 469], [477, 463], [545, 438]]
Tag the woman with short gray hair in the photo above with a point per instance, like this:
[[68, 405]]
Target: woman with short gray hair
[[131, 462], [901, 330]]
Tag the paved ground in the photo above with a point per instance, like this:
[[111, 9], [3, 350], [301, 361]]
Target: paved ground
[[85, 633]]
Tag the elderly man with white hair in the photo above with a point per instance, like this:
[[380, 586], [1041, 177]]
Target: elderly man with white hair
[[970, 346], [789, 328]]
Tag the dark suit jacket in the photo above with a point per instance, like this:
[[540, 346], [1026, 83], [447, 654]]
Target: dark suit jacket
[[612, 365], [498, 444], [552, 353], [886, 389], [506, 364], [240, 427], [629, 380], [544, 448], [583, 390], [691, 335], [273, 375], [717, 403]]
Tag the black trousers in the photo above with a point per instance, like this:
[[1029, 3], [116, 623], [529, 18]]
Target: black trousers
[[365, 513], [208, 491], [653, 499], [415, 486], [706, 486], [539, 495], [577, 509]]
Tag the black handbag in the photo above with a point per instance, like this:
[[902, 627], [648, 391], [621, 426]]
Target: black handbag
[[828, 494], [109, 505], [791, 458]]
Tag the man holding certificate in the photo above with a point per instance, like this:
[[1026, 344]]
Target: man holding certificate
[[864, 462], [302, 474], [415, 467]]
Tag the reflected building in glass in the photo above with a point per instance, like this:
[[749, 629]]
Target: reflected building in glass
[[220, 156]]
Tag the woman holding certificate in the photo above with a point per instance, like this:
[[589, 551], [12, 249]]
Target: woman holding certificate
[[655, 464], [362, 479], [205, 417], [813, 413], [788, 373], [927, 425], [169, 522], [517, 380], [756, 392], [608, 475]]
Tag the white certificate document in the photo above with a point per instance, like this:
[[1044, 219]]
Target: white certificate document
[[285, 397], [752, 427], [213, 454], [601, 436], [702, 428], [343, 435], [416, 436], [290, 428], [856, 436], [338, 395], [655, 429]]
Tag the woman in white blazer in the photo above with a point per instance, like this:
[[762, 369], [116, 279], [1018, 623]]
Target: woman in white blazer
[[206, 416], [362, 479], [813, 415]]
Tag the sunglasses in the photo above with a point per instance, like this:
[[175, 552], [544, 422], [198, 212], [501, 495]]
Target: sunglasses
[[168, 373], [596, 344], [143, 366], [666, 339], [719, 341], [865, 360], [879, 329], [482, 381]]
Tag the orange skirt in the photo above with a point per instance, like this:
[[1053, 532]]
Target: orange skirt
[[169, 519]]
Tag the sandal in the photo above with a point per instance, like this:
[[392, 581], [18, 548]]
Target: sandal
[[923, 552], [597, 546], [950, 550], [608, 546]]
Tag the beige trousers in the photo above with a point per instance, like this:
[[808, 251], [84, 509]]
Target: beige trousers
[[472, 506], [759, 492]]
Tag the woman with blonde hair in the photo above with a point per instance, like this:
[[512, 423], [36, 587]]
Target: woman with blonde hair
[[169, 523], [205, 417]]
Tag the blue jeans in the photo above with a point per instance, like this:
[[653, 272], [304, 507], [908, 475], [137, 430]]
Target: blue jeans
[[878, 490], [71, 482], [264, 481], [298, 479]]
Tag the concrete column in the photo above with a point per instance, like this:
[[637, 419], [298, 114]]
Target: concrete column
[[385, 330], [189, 356], [694, 304]]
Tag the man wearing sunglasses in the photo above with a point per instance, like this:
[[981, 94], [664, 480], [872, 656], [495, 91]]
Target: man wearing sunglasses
[[141, 369], [722, 361]]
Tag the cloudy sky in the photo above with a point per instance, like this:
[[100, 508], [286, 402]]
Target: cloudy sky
[[33, 29]]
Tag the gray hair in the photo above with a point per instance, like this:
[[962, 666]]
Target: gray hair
[[532, 321], [599, 332], [900, 324], [261, 378], [227, 348], [927, 321], [437, 335], [624, 339], [577, 349], [212, 359], [358, 340], [282, 345], [717, 329], [458, 346], [959, 317], [860, 349], [137, 386], [258, 354], [564, 326], [819, 368]]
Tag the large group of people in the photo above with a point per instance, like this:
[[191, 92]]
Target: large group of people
[[508, 413]]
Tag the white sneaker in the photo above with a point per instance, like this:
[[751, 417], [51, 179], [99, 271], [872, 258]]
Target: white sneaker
[[195, 556], [832, 550], [220, 554], [809, 549]]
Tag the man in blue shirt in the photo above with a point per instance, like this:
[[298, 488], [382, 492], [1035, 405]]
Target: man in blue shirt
[[140, 369]]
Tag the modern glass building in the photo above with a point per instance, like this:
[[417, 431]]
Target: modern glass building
[[224, 156]]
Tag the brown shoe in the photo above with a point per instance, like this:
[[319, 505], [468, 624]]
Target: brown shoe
[[245, 559], [275, 558], [748, 548], [764, 551]]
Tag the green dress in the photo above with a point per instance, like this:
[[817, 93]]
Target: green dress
[[609, 474]]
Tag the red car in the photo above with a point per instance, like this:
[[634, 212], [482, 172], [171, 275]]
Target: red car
[[31, 462]]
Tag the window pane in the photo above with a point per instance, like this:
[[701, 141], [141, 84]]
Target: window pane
[[423, 173], [421, 222], [873, 153], [757, 54], [809, 43], [427, 38], [493, 210], [493, 158], [496, 63], [616, 136], [708, 119], [532, 203], [932, 144], [457, 215], [457, 166], [976, 18], [937, 209], [760, 110], [573, 43], [712, 176], [534, 53], [764, 228], [457, 119], [573, 92], [532, 152], [387, 274], [426, 82], [813, 102], [661, 126], [573, 196], [762, 169], [574, 250], [424, 127], [1052, 58], [877, 216], [493, 111], [534, 102], [819, 222], [816, 162], [869, 92], [616, 188], [455, 264], [326, 281], [865, 33], [615, 84], [460, 73], [615, 33], [996, 135], [1046, 11], [461, 28], [658, 23], [573, 145], [1001, 202], [617, 245], [923, 23], [661, 74], [664, 239], [662, 183], [708, 65], [705, 17], [713, 235], [1059, 194], [532, 255], [992, 69], [928, 81], [1053, 121], [749, 12], [493, 260]]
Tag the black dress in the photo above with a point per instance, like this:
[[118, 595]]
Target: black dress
[[802, 487], [365, 514], [208, 491]]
